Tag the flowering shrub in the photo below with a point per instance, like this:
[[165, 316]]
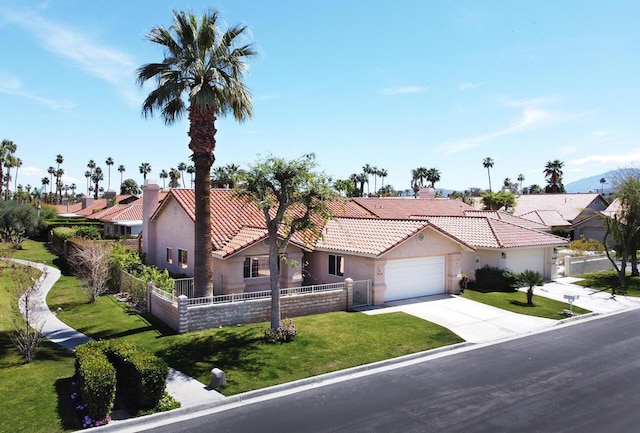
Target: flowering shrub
[[282, 334]]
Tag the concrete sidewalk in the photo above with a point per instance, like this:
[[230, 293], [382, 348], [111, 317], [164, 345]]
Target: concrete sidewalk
[[187, 390]]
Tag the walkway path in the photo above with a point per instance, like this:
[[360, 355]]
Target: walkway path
[[187, 390]]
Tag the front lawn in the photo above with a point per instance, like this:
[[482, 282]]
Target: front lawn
[[517, 303], [36, 395], [605, 280], [325, 343]]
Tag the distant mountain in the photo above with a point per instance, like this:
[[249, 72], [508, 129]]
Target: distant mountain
[[592, 184]]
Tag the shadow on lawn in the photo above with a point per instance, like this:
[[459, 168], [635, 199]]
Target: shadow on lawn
[[224, 349], [521, 304], [66, 407]]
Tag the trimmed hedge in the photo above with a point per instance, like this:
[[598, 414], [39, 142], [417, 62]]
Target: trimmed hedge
[[96, 379], [141, 375], [496, 280], [102, 367]]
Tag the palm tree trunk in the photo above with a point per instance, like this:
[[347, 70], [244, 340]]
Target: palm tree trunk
[[202, 132]]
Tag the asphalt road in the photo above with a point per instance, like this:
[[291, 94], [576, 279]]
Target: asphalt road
[[582, 378]]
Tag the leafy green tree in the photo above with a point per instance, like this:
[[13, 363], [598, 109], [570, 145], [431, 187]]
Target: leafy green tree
[[17, 222], [624, 225], [205, 64], [129, 186], [292, 197], [498, 200], [531, 279]]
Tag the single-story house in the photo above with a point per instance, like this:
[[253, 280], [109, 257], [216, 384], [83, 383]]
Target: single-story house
[[407, 247], [577, 214], [121, 219]]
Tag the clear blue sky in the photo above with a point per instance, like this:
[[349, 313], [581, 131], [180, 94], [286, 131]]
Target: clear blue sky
[[396, 85]]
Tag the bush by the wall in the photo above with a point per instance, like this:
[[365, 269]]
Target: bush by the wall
[[96, 379], [141, 375], [494, 279]]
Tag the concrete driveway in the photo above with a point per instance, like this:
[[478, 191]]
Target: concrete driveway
[[477, 322], [473, 321]]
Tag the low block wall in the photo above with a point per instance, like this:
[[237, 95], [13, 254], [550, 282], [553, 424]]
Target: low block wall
[[183, 318], [585, 265]]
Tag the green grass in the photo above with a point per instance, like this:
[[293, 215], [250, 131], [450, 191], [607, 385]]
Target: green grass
[[36, 395], [605, 280], [517, 302], [325, 343]]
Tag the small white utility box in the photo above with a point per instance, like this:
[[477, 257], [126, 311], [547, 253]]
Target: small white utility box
[[218, 378]]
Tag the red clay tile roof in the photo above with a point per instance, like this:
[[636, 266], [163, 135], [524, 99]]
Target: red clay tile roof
[[550, 218], [503, 216], [570, 206], [120, 212], [407, 208], [493, 233], [237, 224], [366, 236]]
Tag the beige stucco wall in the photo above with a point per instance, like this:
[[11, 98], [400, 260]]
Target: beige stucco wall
[[228, 273], [173, 229], [357, 268], [515, 259]]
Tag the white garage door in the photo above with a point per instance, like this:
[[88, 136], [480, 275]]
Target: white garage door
[[410, 278]]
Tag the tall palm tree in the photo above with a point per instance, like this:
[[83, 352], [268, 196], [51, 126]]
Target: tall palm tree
[[205, 64], [91, 165], [96, 178], [51, 172], [174, 178], [553, 175], [7, 147], [232, 172], [121, 170], [145, 169], [17, 163], [45, 182], [433, 176], [602, 182], [383, 174], [9, 163], [164, 175], [59, 173], [109, 163], [87, 174], [181, 168], [191, 170], [366, 171], [488, 164], [219, 178], [521, 179]]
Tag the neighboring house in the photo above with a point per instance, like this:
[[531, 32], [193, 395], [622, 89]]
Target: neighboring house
[[121, 220], [407, 247], [88, 206], [576, 214]]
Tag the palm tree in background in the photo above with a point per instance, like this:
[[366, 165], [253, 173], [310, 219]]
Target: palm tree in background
[[96, 178], [45, 182], [91, 165], [191, 170], [17, 163], [418, 175], [121, 170], [59, 173], [164, 175], [233, 172], [51, 170], [174, 178], [366, 171], [602, 182], [145, 169], [7, 148], [205, 64], [109, 163], [383, 174], [181, 168], [433, 176], [87, 174], [488, 164], [553, 175], [219, 178], [521, 179]]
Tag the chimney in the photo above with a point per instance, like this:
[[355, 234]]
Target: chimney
[[87, 202], [427, 193], [110, 196], [150, 194]]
